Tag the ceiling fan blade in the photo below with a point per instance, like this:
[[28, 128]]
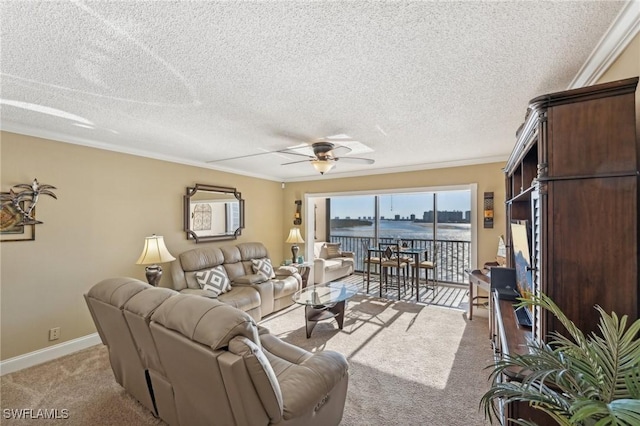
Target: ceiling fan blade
[[296, 162], [340, 150], [248, 155], [285, 134], [296, 153], [279, 151], [356, 160]]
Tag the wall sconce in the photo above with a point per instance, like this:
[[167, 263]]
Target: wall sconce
[[297, 217], [488, 209]]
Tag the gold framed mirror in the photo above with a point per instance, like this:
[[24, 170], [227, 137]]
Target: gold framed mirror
[[213, 213]]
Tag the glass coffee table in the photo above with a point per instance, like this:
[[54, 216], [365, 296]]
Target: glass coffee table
[[324, 301]]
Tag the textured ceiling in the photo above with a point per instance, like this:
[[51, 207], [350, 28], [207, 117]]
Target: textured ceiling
[[417, 83]]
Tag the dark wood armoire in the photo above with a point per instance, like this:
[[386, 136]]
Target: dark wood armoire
[[573, 176], [572, 179]]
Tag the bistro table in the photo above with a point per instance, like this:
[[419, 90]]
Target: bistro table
[[324, 301], [404, 251]]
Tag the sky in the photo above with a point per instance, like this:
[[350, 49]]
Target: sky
[[402, 204]]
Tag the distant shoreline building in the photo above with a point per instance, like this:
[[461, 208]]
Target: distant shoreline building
[[444, 216]]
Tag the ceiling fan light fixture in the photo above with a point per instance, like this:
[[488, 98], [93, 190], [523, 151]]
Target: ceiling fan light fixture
[[323, 166]]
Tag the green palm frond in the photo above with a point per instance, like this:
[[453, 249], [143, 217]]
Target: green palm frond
[[579, 379], [617, 412]]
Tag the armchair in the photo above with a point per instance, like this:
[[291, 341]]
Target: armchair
[[224, 367]]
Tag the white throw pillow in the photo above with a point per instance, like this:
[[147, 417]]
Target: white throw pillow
[[215, 280], [333, 250], [263, 267]]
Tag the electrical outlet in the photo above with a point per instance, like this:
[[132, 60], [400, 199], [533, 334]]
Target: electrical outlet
[[54, 333]]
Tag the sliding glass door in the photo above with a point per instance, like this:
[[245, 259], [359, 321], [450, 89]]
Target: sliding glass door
[[453, 234], [353, 223], [406, 217], [432, 221]]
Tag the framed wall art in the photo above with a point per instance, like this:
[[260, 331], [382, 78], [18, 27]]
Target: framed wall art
[[10, 224]]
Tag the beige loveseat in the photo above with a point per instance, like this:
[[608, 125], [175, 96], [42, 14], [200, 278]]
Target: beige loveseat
[[250, 291], [330, 263], [196, 361]]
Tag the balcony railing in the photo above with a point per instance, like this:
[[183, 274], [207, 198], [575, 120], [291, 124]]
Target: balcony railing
[[453, 256]]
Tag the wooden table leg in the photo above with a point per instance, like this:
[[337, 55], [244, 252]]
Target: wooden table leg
[[416, 276], [338, 309], [471, 300], [313, 314], [304, 274], [368, 269], [309, 324]]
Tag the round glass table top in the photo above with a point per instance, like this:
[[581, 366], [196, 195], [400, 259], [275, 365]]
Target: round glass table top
[[325, 294]]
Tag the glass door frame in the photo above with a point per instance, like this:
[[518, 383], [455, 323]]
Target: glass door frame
[[311, 197]]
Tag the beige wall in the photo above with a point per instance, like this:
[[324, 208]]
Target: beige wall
[[107, 203], [627, 65]]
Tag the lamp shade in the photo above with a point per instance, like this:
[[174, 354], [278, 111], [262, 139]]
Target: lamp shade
[[294, 236], [323, 166], [154, 251]]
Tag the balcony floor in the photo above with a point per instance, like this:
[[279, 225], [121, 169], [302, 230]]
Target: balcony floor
[[448, 295]]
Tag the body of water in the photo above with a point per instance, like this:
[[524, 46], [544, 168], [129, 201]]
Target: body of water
[[409, 230], [453, 241]]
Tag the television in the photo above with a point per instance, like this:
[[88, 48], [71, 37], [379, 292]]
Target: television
[[521, 243]]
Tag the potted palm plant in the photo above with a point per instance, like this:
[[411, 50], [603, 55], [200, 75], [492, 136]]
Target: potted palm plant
[[576, 380]]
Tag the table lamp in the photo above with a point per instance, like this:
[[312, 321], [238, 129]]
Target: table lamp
[[154, 252], [295, 238]]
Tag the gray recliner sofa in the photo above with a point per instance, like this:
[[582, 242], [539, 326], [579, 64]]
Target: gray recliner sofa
[[253, 293], [197, 361]]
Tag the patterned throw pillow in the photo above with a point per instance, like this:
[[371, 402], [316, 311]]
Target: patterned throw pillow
[[263, 267], [215, 280], [333, 250]]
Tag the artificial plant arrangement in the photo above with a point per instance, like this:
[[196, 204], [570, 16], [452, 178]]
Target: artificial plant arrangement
[[591, 380]]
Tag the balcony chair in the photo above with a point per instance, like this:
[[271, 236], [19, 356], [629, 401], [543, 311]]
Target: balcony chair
[[409, 260], [391, 262], [428, 265], [367, 263]]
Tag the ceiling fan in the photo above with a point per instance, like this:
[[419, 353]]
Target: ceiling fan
[[326, 154]]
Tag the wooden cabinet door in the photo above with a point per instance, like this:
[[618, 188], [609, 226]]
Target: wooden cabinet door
[[592, 254]]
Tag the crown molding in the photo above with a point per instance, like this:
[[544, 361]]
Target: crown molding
[[54, 136], [59, 137], [623, 29]]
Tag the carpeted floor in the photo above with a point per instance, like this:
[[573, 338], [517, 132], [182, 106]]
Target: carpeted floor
[[81, 383], [410, 364]]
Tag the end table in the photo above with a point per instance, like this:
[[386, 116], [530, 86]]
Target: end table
[[303, 270]]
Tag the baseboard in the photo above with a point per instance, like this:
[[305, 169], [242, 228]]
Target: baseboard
[[48, 354]]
